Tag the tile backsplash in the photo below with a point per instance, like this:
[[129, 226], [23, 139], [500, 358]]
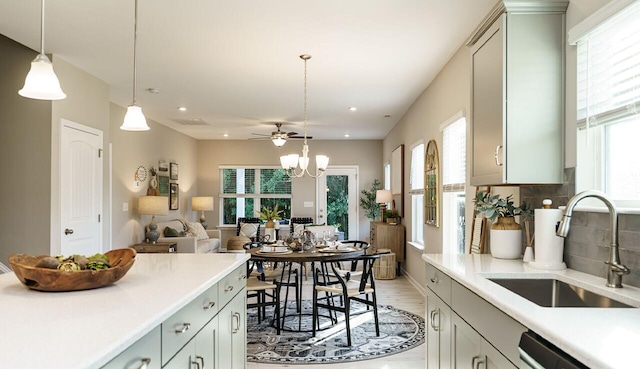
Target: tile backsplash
[[587, 246]]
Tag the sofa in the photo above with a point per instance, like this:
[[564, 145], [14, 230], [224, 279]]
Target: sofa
[[190, 244]]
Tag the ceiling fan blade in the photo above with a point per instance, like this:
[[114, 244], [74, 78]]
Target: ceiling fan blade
[[259, 138], [292, 134], [301, 137], [261, 134]]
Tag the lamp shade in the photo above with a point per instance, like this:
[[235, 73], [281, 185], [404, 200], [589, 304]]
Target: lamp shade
[[134, 120], [202, 203], [153, 205], [279, 141], [383, 196], [41, 82]]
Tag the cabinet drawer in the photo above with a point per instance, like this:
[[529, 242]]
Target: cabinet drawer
[[439, 283], [178, 329], [146, 348], [231, 285]]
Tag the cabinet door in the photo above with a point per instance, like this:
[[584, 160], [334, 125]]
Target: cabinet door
[[438, 327], [465, 344], [232, 353], [488, 107], [185, 358], [206, 345]]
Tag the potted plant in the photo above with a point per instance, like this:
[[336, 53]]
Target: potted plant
[[391, 216], [269, 215], [368, 201], [506, 234]]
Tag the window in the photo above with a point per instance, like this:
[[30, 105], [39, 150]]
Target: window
[[387, 176], [416, 180], [608, 103], [454, 169], [246, 190]]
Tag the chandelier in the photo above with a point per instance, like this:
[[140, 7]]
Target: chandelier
[[291, 162]]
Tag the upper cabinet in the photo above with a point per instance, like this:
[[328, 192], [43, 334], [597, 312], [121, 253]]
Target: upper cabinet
[[517, 107]]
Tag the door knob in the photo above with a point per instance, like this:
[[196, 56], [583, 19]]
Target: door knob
[[68, 231]]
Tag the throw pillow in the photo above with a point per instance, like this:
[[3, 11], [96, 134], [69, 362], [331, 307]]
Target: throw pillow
[[197, 230], [248, 229], [170, 232]]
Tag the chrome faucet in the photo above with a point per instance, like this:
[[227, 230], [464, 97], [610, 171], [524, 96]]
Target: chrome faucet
[[615, 270]]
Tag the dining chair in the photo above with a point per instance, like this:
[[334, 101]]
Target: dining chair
[[249, 227], [261, 290], [327, 279], [352, 271], [296, 224]]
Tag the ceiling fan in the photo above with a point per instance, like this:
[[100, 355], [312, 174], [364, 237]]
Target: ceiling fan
[[278, 137]]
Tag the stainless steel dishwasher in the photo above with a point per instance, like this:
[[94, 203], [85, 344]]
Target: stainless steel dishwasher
[[538, 353]]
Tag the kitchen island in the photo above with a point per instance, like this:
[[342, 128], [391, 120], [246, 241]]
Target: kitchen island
[[604, 338], [86, 329]]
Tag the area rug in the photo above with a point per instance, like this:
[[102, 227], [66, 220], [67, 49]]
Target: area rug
[[399, 331]]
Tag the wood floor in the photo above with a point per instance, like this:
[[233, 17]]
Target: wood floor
[[402, 295]]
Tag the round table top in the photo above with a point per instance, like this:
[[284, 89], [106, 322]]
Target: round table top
[[314, 254]]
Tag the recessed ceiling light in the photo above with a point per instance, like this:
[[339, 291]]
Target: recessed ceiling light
[[353, 108], [182, 108], [347, 135], [153, 90], [226, 135]]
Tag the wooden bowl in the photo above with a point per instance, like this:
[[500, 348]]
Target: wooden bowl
[[44, 279]]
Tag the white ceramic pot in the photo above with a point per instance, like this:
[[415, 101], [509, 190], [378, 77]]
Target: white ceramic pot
[[506, 244]]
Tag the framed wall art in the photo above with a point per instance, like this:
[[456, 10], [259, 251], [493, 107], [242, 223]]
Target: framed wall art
[[163, 166], [174, 196], [173, 171], [163, 185]]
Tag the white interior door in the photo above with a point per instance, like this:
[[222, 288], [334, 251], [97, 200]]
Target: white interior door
[[80, 190], [338, 200]]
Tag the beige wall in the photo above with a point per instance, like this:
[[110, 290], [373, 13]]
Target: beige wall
[[211, 154], [25, 147], [132, 149]]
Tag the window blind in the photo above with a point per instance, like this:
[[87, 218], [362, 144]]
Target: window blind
[[417, 169], [454, 156], [274, 181], [608, 70]]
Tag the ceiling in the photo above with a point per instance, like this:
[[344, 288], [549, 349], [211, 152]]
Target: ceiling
[[235, 64]]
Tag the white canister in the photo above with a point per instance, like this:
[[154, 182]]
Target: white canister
[[549, 247]]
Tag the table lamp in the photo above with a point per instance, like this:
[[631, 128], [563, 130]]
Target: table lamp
[[383, 197], [153, 205], [202, 203]]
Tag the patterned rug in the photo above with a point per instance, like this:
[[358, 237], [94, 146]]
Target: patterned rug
[[399, 331]]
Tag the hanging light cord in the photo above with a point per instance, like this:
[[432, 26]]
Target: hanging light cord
[[305, 98], [135, 39], [42, 28]]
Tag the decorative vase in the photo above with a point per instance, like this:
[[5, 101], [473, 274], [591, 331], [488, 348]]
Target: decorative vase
[[506, 238]]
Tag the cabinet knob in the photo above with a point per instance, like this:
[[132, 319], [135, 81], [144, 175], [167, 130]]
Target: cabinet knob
[[497, 153], [209, 305], [185, 327], [435, 279], [68, 231], [144, 363], [228, 289]]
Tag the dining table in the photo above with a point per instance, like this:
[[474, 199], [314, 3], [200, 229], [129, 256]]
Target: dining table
[[281, 254]]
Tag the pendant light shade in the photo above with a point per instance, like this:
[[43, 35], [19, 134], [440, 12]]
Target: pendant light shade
[[134, 120], [279, 141], [41, 82]]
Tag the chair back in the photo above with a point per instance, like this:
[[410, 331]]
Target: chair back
[[299, 221], [360, 245], [327, 273], [256, 221]]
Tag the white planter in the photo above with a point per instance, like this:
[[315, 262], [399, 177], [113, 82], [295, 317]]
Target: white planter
[[272, 234], [506, 244]]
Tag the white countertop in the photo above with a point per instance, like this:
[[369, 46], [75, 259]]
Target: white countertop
[[598, 337], [85, 329]]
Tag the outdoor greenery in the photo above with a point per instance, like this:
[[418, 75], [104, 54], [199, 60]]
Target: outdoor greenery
[[338, 203], [493, 207], [368, 200]]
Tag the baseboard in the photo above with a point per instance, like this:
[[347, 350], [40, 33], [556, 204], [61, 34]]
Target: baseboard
[[419, 286]]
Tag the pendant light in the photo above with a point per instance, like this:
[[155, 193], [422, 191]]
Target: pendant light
[[292, 161], [134, 120], [41, 82]]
